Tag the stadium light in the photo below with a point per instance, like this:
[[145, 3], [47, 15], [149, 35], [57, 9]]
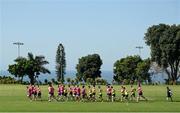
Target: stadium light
[[18, 45], [139, 47]]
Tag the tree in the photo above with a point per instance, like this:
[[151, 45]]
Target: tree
[[68, 80], [89, 81], [100, 81], [124, 69], [89, 67], [31, 66], [76, 81], [72, 82], [45, 81], [60, 63], [18, 69], [142, 70], [35, 66], [54, 81], [164, 41]]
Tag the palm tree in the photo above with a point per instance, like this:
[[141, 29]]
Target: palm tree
[[35, 66]]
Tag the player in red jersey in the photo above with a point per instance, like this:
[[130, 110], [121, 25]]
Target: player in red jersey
[[109, 93], [83, 92], [51, 92], [60, 92], [78, 93], [29, 92], [140, 93]]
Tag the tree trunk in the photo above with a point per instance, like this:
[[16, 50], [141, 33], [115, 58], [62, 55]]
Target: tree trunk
[[31, 77], [174, 75], [168, 73], [21, 79], [174, 72], [174, 82]]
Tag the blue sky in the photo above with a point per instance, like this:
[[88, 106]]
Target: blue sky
[[111, 28]]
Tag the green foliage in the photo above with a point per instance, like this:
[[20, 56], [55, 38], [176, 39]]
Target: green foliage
[[35, 66], [100, 81], [45, 81], [125, 68], [60, 63], [18, 69], [142, 70], [7, 80], [89, 81], [72, 82], [31, 66], [131, 68], [164, 42], [76, 81], [89, 67], [54, 81], [68, 80]]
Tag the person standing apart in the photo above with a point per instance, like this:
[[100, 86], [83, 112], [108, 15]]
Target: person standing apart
[[169, 94]]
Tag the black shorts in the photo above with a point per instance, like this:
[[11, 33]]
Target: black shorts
[[113, 95], [51, 94], [83, 95], [39, 94], [90, 95], [100, 95], [74, 94], [71, 93], [169, 95], [65, 94], [140, 94], [126, 96], [35, 93], [109, 94], [133, 95]]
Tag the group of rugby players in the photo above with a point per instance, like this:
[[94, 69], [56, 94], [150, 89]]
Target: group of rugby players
[[33, 92], [77, 93]]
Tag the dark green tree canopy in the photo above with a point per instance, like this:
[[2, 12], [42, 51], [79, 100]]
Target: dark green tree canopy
[[164, 42], [19, 68], [131, 68], [31, 66], [142, 70], [125, 68], [89, 67]]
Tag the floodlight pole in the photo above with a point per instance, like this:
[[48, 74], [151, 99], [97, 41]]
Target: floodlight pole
[[139, 47], [18, 45]]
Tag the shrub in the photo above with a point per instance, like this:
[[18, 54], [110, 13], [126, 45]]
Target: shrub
[[8, 80]]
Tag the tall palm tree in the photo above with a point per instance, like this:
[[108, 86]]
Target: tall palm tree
[[35, 66]]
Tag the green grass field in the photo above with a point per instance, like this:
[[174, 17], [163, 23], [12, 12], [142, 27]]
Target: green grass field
[[13, 99]]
